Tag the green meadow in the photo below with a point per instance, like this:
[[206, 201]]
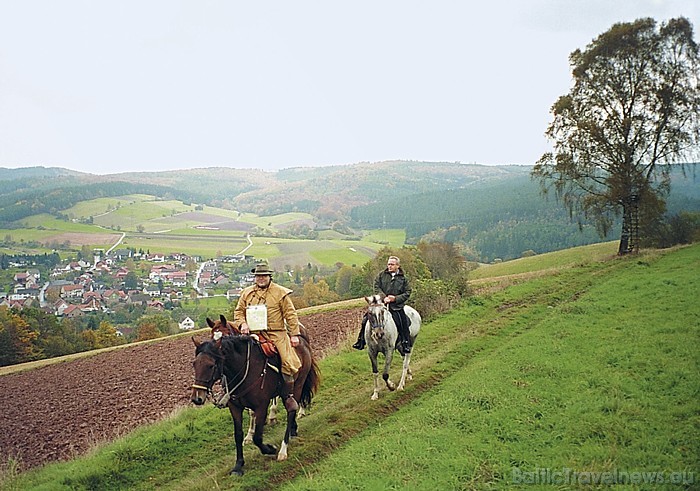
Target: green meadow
[[585, 376], [166, 226], [100, 206]]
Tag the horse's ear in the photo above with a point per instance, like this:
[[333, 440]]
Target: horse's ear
[[369, 300], [196, 343], [223, 320], [210, 322]]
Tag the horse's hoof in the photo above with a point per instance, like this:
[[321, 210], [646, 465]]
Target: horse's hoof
[[236, 472], [268, 450], [282, 455], [375, 396]]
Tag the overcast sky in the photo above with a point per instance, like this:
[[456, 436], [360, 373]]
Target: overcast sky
[[116, 86]]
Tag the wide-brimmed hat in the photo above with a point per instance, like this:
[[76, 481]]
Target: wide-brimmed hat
[[262, 268]]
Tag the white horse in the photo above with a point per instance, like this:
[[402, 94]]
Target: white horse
[[381, 335]]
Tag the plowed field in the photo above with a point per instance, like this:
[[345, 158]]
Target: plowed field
[[59, 411]]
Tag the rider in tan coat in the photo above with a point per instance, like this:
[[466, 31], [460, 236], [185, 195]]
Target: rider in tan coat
[[264, 308]]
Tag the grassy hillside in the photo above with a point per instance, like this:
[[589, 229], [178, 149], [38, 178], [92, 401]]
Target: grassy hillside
[[591, 367]]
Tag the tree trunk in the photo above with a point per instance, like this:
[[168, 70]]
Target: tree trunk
[[625, 234], [629, 238]]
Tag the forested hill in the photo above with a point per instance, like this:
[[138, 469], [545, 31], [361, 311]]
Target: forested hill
[[503, 218], [495, 219]]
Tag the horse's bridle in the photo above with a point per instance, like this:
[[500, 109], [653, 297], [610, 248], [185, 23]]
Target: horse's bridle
[[376, 320], [218, 374]]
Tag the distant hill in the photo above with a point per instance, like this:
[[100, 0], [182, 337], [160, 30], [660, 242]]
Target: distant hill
[[493, 211], [37, 172]]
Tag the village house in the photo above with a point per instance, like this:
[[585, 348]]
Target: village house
[[72, 311], [60, 306], [92, 305], [152, 291], [72, 291], [156, 305], [187, 324]]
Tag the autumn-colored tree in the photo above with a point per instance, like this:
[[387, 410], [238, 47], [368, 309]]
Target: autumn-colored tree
[[318, 293], [107, 335], [16, 339], [442, 259], [148, 330], [89, 338]]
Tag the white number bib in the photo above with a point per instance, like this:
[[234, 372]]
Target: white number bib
[[256, 317]]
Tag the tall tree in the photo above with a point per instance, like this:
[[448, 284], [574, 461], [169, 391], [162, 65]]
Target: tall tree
[[634, 108], [17, 339]]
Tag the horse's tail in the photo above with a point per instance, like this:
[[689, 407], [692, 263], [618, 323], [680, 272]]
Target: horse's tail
[[311, 383]]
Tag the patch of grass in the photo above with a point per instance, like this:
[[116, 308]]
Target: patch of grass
[[392, 237], [99, 206], [564, 258]]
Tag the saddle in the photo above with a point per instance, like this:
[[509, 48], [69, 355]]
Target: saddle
[[268, 347]]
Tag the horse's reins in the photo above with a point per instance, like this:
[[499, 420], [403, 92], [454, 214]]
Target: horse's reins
[[223, 399]]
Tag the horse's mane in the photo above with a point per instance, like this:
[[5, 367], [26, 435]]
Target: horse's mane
[[209, 348], [230, 344]]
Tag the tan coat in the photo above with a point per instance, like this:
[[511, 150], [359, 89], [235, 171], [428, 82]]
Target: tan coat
[[280, 309]]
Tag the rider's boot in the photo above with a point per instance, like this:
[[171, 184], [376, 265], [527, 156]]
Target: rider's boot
[[360, 343], [290, 404], [404, 334]]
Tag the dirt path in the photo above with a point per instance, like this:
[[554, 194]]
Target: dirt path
[[61, 410]]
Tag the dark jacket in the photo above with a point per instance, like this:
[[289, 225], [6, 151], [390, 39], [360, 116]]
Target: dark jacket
[[397, 285]]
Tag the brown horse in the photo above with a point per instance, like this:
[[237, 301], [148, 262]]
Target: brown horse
[[251, 379], [222, 327]]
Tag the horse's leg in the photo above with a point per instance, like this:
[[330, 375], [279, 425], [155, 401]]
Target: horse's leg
[[237, 416], [387, 365], [251, 429], [260, 416], [375, 371], [291, 426], [404, 371]]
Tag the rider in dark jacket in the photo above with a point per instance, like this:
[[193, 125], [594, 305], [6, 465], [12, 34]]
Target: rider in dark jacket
[[393, 283]]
